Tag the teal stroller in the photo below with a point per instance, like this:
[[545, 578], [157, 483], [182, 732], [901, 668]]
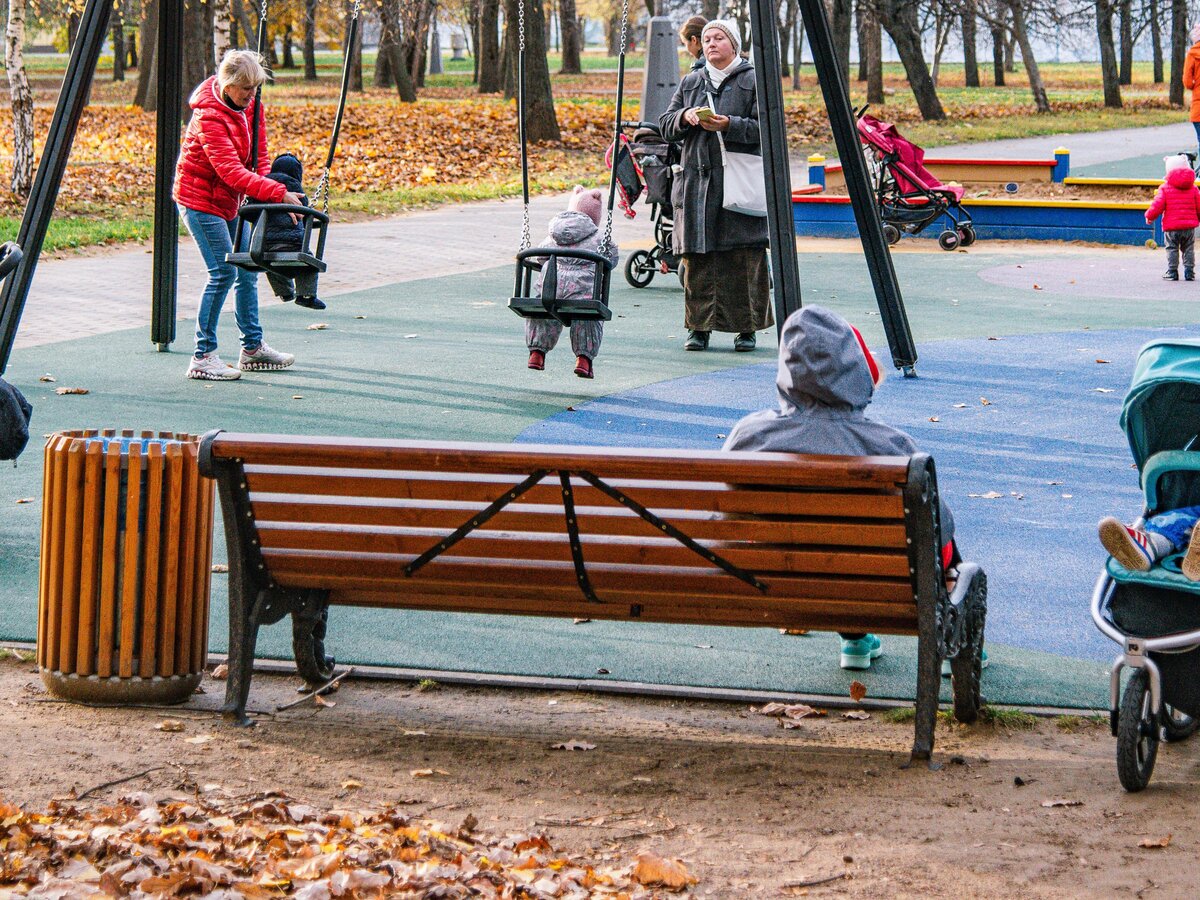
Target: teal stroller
[[1155, 616]]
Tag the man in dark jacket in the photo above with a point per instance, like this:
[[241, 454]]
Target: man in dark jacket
[[285, 235], [726, 285]]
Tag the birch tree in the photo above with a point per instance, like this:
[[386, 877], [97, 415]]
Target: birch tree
[[21, 98]]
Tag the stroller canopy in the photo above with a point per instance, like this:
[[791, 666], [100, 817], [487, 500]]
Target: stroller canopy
[[1162, 407], [908, 160]]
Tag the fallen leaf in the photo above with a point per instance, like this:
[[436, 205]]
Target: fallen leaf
[[704, 646], [1053, 482], [407, 336], [1050, 804], [858, 690], [24, 500], [318, 326], [857, 714], [220, 671], [934, 419], [169, 725], [1102, 362], [581, 621], [1067, 496], [985, 401], [1037, 287], [360, 317], [297, 396], [199, 739], [1103, 390], [66, 390], [49, 378], [220, 568], [351, 784], [427, 773], [793, 631], [654, 870], [1155, 843], [574, 745], [791, 710], [995, 339], [321, 701], [960, 406], [603, 671], [990, 495]]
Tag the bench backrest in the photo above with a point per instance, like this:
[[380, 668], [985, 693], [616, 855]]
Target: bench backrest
[[779, 539]]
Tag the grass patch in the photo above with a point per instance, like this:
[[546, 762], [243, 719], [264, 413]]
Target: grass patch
[[996, 716], [84, 231], [25, 656], [1073, 724]]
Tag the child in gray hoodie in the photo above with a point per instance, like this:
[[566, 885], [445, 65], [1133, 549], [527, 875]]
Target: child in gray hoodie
[[826, 378], [576, 229]]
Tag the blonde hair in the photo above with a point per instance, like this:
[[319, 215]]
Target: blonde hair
[[241, 68]]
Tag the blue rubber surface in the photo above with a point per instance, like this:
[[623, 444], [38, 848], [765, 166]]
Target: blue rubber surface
[[1047, 440]]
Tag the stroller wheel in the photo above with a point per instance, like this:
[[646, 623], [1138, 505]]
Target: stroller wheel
[[640, 268], [1137, 734], [966, 236], [891, 233], [948, 240], [1176, 725]]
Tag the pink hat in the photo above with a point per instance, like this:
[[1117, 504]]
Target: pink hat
[[590, 202]]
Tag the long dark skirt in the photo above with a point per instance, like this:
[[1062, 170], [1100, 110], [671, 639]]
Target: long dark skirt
[[727, 290]]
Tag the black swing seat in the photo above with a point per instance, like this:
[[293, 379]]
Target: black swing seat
[[285, 263], [545, 305]]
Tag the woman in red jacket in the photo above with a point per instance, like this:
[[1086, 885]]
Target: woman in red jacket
[[213, 174]]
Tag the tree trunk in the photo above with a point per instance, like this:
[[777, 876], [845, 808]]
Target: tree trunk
[[147, 89], [998, 55], [860, 29], [874, 54], [289, 61], [72, 30], [1036, 86], [841, 12], [900, 19], [197, 49], [353, 54], [389, 29], [21, 98], [222, 20], [491, 74], [1156, 40], [710, 9], [1109, 74], [118, 44], [541, 123], [419, 43], [797, 45], [1125, 17], [310, 40], [572, 38], [1179, 47], [970, 58]]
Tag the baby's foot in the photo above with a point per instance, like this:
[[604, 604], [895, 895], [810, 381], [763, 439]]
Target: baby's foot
[[310, 302], [1128, 546]]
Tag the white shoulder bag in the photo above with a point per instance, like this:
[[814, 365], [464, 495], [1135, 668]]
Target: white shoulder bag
[[745, 186]]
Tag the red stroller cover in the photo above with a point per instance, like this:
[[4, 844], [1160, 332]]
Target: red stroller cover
[[908, 168]]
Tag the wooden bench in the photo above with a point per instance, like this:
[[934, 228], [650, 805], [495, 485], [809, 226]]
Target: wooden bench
[[754, 539]]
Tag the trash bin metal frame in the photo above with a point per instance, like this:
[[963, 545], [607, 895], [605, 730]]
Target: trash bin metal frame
[[125, 567]]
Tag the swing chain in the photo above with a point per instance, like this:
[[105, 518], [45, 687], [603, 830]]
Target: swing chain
[[606, 241], [321, 194], [526, 239]]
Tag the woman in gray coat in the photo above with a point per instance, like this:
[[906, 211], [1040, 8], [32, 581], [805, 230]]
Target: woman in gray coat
[[725, 281]]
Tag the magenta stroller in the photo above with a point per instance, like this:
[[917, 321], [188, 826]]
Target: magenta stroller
[[910, 197]]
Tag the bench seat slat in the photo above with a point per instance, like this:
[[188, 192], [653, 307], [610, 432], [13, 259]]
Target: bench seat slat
[[654, 551], [521, 459], [664, 496], [592, 520], [811, 614], [380, 570]]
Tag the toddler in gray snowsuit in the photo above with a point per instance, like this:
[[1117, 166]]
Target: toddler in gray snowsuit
[[576, 229]]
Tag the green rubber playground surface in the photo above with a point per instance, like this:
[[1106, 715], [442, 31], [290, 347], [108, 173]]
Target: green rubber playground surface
[[444, 359]]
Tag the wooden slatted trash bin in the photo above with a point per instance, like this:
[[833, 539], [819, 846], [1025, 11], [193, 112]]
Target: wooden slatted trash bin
[[125, 567]]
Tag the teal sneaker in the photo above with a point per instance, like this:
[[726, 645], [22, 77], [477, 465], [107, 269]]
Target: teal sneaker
[[858, 654], [983, 664]]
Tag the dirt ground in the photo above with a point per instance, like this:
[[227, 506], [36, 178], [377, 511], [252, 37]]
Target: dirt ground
[[750, 807]]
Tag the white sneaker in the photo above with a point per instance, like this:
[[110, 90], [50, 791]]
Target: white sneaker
[[210, 368], [264, 358]]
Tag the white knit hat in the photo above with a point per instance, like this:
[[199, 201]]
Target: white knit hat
[[731, 31]]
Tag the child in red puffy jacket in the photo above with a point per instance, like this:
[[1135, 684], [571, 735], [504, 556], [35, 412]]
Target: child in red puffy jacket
[[1178, 202]]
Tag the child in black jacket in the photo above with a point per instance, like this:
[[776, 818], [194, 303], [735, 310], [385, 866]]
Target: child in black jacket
[[285, 235]]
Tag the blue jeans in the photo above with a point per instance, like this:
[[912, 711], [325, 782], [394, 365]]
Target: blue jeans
[[1175, 525], [214, 238]]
